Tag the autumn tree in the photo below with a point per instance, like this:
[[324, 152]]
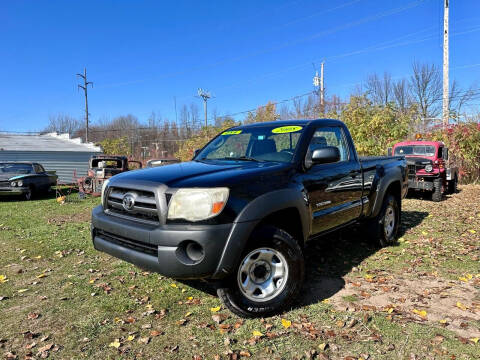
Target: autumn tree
[[374, 128], [262, 114]]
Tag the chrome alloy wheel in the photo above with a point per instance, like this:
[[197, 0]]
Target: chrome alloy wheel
[[389, 221], [262, 275]]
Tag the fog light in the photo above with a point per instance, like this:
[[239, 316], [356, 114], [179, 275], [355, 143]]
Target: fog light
[[195, 251], [428, 168]]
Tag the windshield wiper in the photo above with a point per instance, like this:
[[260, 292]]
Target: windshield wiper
[[241, 158]]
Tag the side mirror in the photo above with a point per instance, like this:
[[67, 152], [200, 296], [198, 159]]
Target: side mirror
[[445, 153], [389, 151], [325, 155], [195, 152]]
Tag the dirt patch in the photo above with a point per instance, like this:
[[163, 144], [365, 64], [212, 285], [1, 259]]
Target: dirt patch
[[84, 216], [451, 304]]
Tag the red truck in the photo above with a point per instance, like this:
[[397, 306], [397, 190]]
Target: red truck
[[428, 167]]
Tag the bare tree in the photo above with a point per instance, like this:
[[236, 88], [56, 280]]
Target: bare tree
[[63, 124], [401, 94], [380, 90], [426, 90], [459, 98]]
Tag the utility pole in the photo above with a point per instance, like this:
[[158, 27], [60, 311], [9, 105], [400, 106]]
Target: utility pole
[[84, 87], [319, 87], [205, 95], [445, 102]]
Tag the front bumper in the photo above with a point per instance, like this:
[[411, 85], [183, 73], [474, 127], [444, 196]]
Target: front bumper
[[5, 191], [162, 248], [420, 185]]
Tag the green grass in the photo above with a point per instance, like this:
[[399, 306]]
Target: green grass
[[86, 299]]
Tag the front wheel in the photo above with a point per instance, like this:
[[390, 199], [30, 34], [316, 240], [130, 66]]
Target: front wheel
[[438, 190], [269, 276], [28, 195]]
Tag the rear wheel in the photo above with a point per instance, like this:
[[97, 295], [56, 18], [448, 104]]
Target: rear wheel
[[383, 228], [438, 190], [269, 276], [452, 185]]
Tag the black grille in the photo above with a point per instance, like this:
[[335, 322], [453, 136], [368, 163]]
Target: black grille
[[4, 183], [144, 209], [132, 244]]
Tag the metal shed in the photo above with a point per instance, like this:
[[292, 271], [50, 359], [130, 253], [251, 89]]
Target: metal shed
[[68, 157]]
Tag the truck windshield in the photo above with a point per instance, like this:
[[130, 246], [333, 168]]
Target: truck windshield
[[425, 150], [259, 143], [16, 168]]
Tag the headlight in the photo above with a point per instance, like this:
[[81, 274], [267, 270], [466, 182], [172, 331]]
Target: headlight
[[429, 168], [197, 204], [104, 186], [13, 184], [20, 183]]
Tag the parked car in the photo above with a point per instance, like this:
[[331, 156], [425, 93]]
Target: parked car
[[428, 166], [25, 178], [161, 162], [103, 167], [242, 210]]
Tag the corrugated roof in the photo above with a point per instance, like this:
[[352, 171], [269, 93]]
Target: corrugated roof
[[45, 142]]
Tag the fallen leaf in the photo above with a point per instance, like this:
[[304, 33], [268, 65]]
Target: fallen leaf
[[245, 353], [188, 314], [173, 285], [155, 333], [22, 291], [130, 337], [326, 301], [323, 346], [286, 323], [33, 316], [3, 279], [461, 306], [116, 344], [257, 333], [472, 231], [215, 309], [40, 276], [421, 313], [474, 340], [144, 340]]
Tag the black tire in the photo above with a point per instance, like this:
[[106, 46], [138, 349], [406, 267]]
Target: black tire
[[437, 194], [29, 194], [286, 289], [452, 185], [377, 230]]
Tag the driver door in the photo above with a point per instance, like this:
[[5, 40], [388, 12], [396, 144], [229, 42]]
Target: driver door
[[334, 190]]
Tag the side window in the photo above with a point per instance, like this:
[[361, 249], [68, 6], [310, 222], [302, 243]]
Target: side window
[[38, 169], [330, 136], [440, 152]]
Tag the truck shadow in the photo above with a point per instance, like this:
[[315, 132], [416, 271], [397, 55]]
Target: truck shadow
[[333, 256], [329, 258]]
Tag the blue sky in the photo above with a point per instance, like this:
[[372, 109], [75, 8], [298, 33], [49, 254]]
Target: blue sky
[[140, 54]]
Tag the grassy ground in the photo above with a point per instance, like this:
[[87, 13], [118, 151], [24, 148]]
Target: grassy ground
[[419, 299]]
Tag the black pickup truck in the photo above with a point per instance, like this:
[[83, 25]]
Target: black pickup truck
[[242, 210]]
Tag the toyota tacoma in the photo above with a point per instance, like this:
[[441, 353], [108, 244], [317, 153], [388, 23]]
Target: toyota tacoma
[[241, 211]]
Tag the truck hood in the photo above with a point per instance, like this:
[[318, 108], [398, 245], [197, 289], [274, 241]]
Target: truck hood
[[203, 173]]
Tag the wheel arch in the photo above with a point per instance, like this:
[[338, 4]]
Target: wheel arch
[[285, 209]]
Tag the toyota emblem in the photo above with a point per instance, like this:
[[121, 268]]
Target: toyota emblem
[[128, 202]]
